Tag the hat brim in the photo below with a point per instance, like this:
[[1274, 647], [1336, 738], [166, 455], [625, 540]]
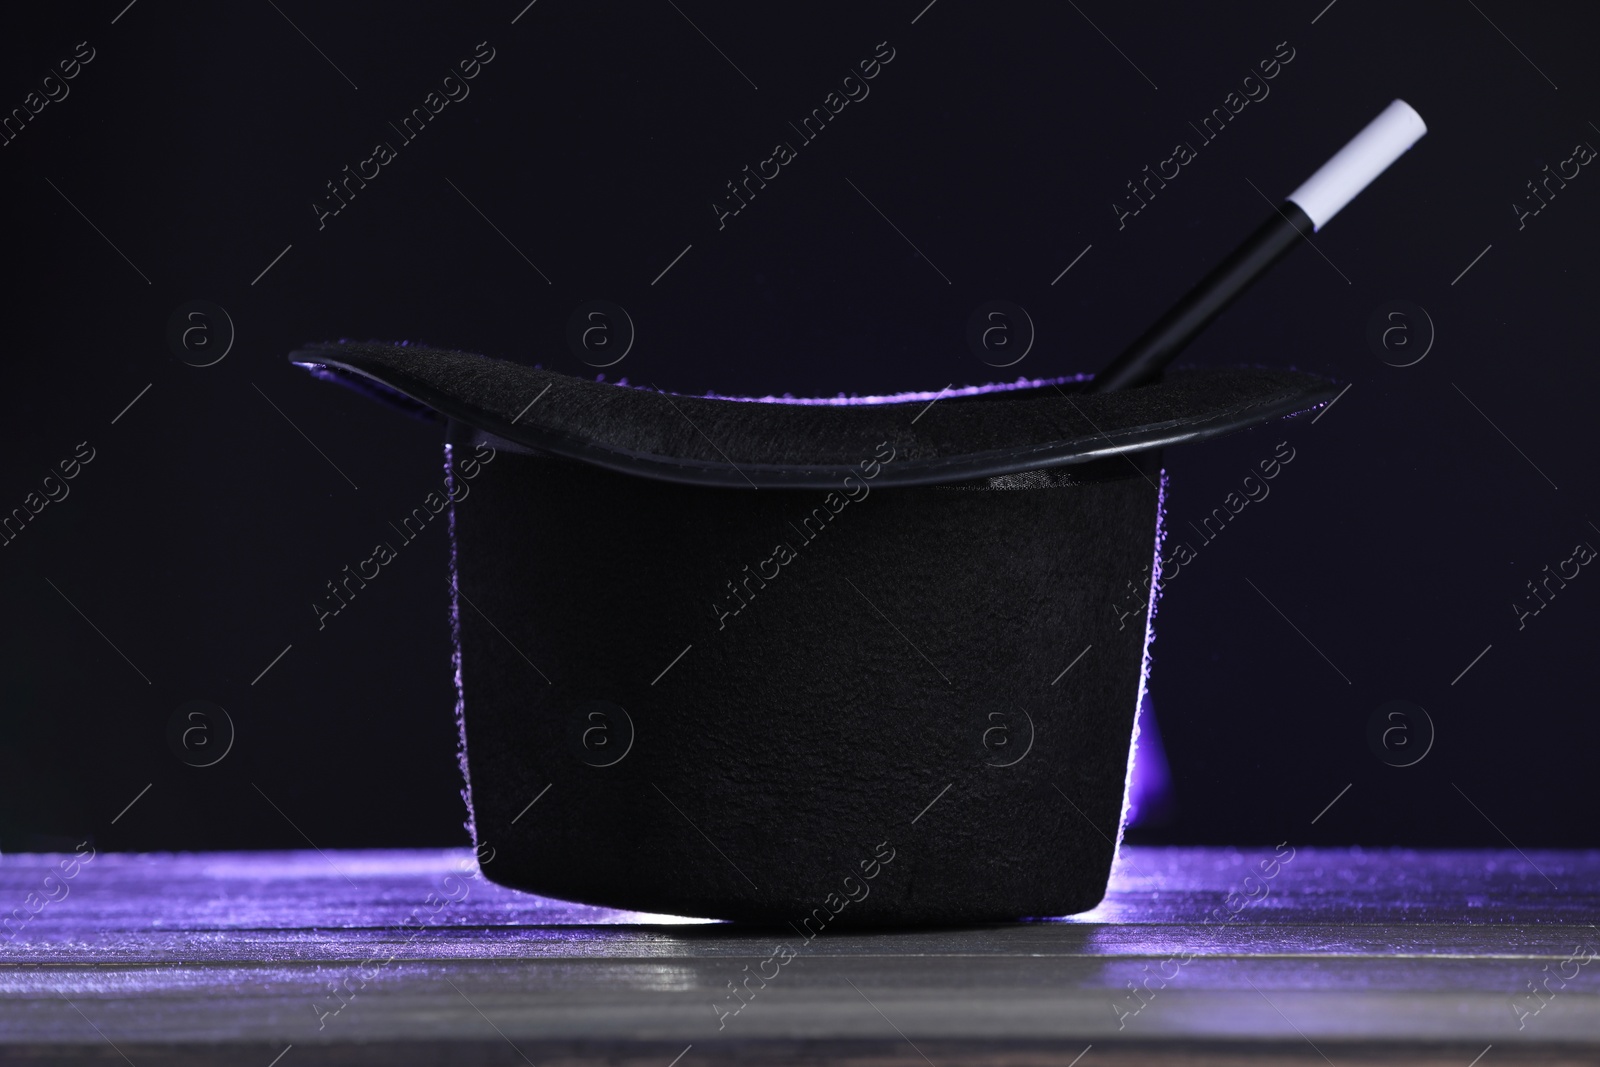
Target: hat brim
[[954, 435]]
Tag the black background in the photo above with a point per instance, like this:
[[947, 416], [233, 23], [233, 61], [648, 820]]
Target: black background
[[996, 140]]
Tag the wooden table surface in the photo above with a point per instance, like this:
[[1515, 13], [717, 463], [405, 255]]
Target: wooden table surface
[[1317, 956]]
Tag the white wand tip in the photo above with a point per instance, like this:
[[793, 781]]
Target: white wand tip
[[1367, 155]]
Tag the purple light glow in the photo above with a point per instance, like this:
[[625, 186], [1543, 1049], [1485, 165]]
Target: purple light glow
[[321, 371], [895, 398], [1128, 788], [455, 654], [1150, 797]]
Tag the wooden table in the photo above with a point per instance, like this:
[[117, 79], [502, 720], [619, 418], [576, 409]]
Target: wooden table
[[1320, 955]]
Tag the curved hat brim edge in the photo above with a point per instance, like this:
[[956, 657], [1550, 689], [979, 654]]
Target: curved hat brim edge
[[413, 394]]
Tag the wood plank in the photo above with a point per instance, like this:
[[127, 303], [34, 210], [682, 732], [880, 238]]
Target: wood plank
[[1352, 955]]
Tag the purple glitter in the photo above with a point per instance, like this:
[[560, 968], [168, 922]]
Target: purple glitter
[[455, 652]]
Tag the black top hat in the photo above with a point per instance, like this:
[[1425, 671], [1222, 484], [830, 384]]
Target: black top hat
[[899, 689]]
